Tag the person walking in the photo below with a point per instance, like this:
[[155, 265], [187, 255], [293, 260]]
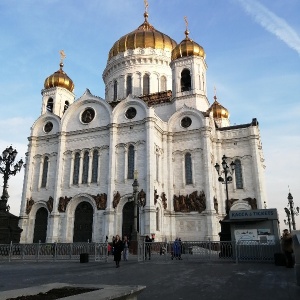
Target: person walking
[[176, 249], [118, 248], [287, 247], [148, 242], [125, 247]]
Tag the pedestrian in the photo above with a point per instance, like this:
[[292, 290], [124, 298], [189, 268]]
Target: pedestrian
[[287, 247], [148, 242], [176, 249], [118, 248], [125, 247]]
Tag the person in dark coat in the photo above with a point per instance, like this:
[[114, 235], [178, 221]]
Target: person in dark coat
[[148, 242], [118, 248], [287, 247]]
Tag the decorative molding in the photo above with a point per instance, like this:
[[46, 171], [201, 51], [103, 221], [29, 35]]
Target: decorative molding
[[29, 205], [63, 202], [101, 201], [142, 198], [189, 203], [50, 204], [155, 196], [164, 200], [116, 200]]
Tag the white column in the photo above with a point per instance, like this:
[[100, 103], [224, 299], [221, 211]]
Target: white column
[[90, 167], [40, 173], [183, 170], [99, 167], [72, 169], [80, 168], [126, 163]]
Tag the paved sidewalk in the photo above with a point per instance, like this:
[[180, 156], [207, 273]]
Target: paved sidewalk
[[164, 280]]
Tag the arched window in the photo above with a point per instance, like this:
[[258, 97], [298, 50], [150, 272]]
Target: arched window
[[188, 169], [130, 174], [157, 219], [128, 85], [146, 84], [185, 81], [76, 168], [238, 174], [95, 166], [50, 105], [115, 90], [45, 172], [85, 169], [163, 83]]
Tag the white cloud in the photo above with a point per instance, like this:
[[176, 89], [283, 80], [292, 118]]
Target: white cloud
[[272, 23]]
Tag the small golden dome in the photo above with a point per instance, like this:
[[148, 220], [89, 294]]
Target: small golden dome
[[187, 47], [145, 36], [59, 78], [218, 110]]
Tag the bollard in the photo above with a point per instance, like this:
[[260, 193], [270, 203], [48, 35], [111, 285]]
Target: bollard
[[84, 257], [296, 243]]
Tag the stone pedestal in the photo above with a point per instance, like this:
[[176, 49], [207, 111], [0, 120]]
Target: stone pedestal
[[9, 229]]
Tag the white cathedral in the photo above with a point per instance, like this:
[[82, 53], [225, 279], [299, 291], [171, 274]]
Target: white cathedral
[[155, 124]]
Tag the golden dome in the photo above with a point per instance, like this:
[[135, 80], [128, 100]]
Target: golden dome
[[187, 47], [59, 78], [218, 110], [145, 36]]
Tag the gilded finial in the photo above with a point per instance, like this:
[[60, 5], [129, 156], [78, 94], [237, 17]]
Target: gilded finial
[[62, 57], [146, 10], [186, 27], [215, 92], [146, 5]]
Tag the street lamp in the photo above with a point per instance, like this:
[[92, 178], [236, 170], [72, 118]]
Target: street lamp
[[226, 172], [291, 212], [225, 178], [135, 187], [7, 169]]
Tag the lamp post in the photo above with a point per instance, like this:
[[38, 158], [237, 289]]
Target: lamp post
[[6, 162], [9, 231], [135, 233], [225, 178], [291, 212]]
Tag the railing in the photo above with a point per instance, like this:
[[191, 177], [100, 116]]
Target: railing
[[53, 251], [243, 251], [210, 251]]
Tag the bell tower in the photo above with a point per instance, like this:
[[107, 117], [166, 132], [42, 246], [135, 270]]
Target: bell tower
[[58, 91], [189, 73]]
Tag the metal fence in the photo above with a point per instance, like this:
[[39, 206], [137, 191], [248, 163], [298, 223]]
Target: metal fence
[[53, 251], [244, 251]]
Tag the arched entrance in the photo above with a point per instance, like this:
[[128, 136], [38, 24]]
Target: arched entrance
[[40, 225], [83, 224], [128, 219]]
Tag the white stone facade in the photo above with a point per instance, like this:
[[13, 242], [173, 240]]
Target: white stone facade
[[161, 144]]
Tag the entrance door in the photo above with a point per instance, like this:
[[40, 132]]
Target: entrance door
[[83, 224], [128, 219], [40, 226]]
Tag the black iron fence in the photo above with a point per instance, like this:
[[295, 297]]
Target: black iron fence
[[244, 251]]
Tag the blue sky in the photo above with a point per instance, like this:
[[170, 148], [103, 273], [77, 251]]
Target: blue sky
[[252, 51]]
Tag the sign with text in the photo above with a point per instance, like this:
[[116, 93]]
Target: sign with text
[[270, 214]]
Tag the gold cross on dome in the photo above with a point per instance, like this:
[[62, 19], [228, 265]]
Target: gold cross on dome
[[146, 5], [186, 22], [62, 55]]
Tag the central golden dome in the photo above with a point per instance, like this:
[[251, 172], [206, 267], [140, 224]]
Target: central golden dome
[[145, 36]]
